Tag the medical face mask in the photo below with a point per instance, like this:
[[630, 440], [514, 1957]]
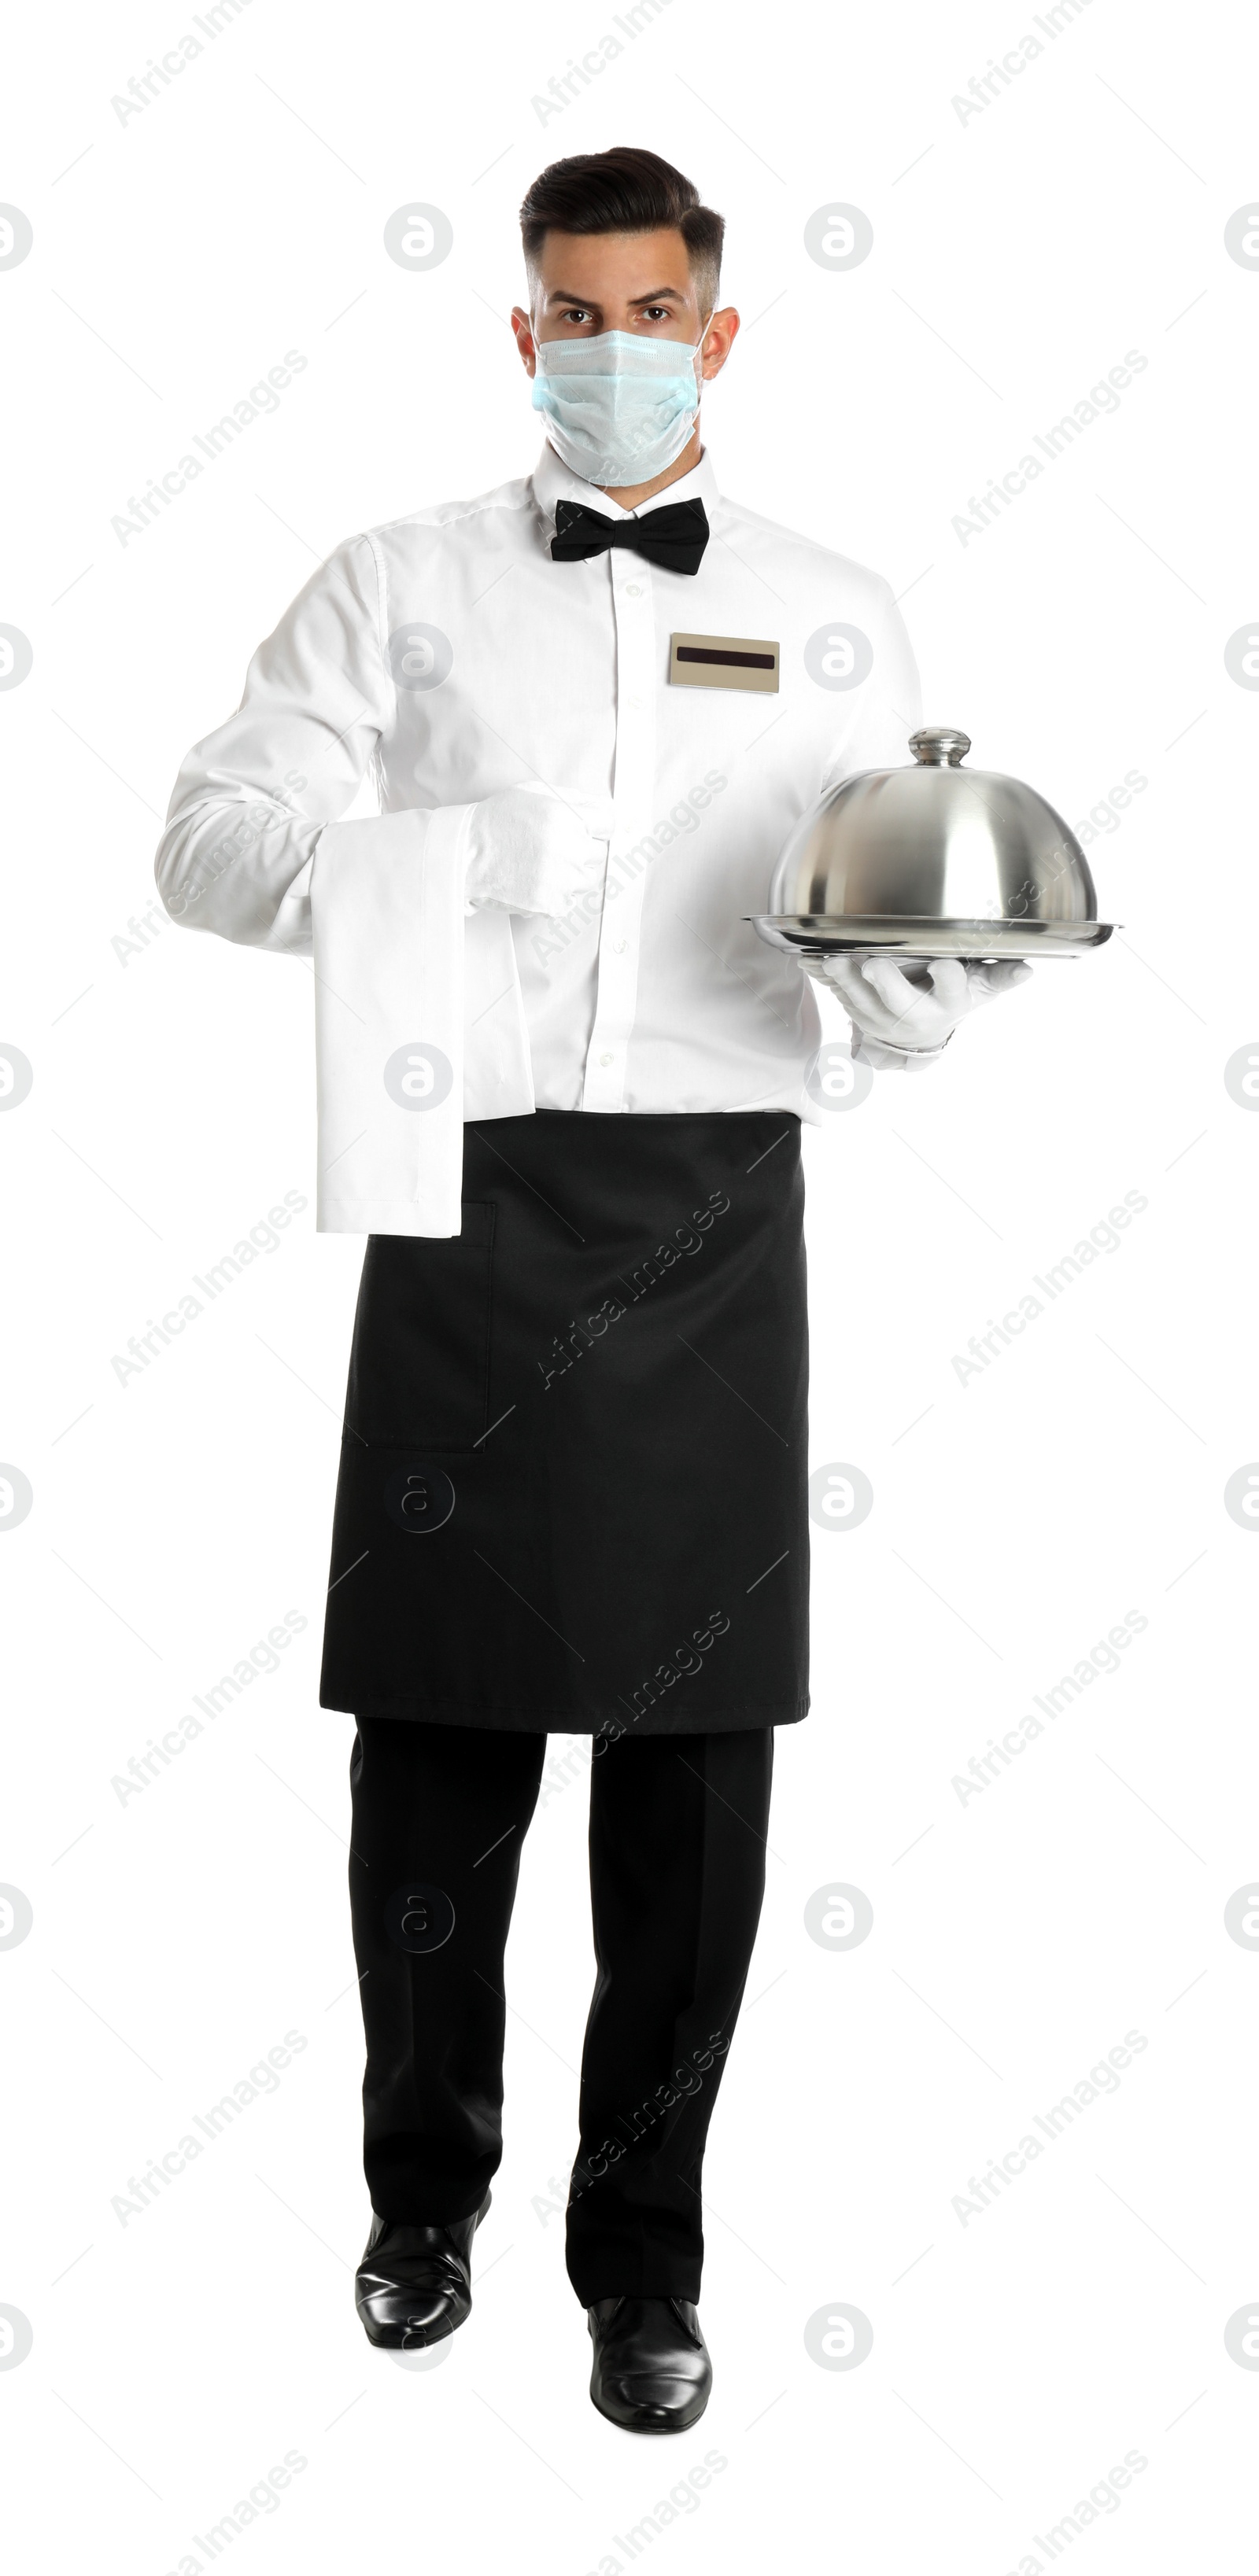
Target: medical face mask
[[619, 408]]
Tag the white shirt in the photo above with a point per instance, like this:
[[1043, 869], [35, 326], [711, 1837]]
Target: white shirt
[[448, 654]]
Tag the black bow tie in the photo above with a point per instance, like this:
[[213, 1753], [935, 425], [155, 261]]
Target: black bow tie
[[674, 536]]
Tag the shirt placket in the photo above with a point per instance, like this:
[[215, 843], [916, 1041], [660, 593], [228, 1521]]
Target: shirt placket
[[633, 787]]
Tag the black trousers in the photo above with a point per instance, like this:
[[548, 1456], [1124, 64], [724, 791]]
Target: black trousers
[[677, 1872]]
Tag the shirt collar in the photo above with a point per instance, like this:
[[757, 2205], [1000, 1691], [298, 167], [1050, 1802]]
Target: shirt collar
[[552, 482]]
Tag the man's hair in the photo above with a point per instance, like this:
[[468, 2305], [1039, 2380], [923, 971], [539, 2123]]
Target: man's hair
[[624, 191]]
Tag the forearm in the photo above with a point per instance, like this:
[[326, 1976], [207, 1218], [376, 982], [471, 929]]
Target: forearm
[[239, 863], [253, 797]]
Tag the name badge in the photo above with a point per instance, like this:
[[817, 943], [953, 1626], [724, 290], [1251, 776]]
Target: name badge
[[722, 662]]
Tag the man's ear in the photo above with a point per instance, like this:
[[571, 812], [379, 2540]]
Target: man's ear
[[523, 329], [718, 341]]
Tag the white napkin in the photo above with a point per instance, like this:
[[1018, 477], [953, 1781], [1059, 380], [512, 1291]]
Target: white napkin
[[419, 1021]]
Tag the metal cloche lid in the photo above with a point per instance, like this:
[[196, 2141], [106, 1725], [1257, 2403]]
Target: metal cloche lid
[[934, 840]]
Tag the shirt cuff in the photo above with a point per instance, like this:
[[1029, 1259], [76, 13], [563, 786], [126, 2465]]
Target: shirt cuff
[[889, 1059]]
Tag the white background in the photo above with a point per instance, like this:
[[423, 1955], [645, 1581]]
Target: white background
[[1017, 2357]]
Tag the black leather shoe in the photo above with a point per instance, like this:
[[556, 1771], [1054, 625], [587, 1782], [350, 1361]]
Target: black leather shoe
[[414, 2284], [651, 2373]]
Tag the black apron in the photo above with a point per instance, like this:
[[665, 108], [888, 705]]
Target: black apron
[[573, 1485]]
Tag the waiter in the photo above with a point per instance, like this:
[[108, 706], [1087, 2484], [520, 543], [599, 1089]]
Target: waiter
[[573, 1481]]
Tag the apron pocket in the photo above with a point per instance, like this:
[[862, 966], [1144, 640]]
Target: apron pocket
[[420, 1359]]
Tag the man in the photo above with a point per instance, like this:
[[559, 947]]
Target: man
[[573, 1481]]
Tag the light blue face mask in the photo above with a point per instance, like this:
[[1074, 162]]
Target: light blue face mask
[[618, 408]]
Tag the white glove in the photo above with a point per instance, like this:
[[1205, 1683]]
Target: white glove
[[907, 1018], [529, 851]]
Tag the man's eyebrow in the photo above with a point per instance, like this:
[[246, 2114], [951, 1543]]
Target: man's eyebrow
[[591, 303]]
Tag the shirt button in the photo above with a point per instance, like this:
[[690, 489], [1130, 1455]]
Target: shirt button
[[633, 702], [620, 946], [605, 1059], [633, 590]]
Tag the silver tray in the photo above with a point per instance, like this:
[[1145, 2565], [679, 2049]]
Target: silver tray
[[816, 934]]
